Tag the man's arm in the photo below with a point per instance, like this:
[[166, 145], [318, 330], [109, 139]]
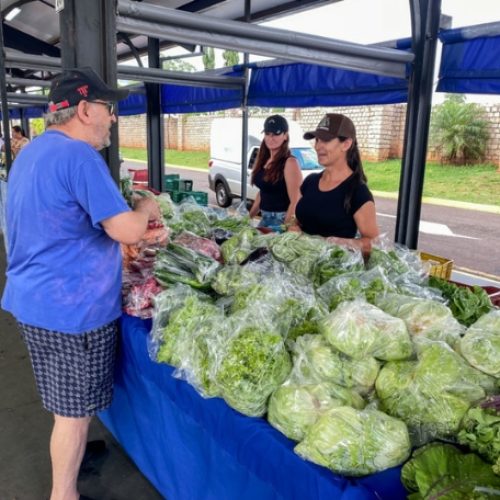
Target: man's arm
[[129, 227]]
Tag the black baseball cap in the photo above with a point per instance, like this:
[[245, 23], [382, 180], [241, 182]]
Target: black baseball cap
[[80, 84], [333, 125], [275, 124]]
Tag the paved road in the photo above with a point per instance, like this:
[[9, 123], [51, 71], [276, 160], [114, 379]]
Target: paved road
[[471, 238]]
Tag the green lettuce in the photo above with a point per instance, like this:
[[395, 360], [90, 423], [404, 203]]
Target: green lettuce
[[432, 394], [316, 361], [295, 406], [480, 345], [356, 443], [443, 471], [254, 362], [359, 329]]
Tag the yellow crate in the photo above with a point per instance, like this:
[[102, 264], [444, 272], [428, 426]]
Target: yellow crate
[[441, 267]]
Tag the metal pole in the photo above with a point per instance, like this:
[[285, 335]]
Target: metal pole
[[156, 157], [5, 107], [425, 27], [244, 116]]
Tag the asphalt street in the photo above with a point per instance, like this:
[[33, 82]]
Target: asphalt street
[[470, 238]]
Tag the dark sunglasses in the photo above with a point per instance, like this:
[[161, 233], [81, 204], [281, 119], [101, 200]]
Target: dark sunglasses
[[109, 105]]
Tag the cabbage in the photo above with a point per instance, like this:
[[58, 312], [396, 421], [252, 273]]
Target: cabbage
[[480, 345], [356, 443], [294, 407], [432, 394], [316, 361], [359, 329], [424, 318], [254, 363]]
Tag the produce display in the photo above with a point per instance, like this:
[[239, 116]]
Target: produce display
[[365, 365]]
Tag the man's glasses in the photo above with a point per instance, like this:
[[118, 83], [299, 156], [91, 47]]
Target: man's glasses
[[109, 105]]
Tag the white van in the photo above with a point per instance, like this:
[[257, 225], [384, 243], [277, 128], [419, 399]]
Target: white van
[[224, 174]]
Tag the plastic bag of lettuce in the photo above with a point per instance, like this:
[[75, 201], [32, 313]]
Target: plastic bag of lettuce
[[315, 360], [480, 345], [424, 318], [296, 405], [251, 364], [433, 393], [359, 330], [356, 442]]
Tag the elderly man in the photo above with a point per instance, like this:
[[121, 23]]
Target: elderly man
[[65, 219]]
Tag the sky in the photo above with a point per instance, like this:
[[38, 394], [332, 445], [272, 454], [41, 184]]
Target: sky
[[382, 20]]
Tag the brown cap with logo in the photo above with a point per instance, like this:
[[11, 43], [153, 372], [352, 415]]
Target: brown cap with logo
[[80, 84], [333, 125]]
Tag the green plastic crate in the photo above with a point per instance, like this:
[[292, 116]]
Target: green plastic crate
[[185, 185], [199, 196], [172, 185], [172, 176]]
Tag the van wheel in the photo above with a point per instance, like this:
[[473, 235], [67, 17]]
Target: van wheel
[[222, 195]]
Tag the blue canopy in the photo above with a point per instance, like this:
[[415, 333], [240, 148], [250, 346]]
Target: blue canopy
[[300, 85], [469, 65]]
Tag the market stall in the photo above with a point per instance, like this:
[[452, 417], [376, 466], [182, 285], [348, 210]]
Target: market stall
[[190, 447]]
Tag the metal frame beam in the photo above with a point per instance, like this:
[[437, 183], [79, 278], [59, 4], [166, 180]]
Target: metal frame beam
[[162, 22]]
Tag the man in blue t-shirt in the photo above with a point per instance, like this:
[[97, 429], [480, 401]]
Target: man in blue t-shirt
[[65, 220]]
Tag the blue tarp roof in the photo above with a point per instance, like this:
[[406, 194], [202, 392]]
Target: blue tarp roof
[[469, 65]]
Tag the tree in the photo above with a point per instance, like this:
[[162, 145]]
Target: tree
[[459, 130], [231, 57], [178, 65], [208, 58]]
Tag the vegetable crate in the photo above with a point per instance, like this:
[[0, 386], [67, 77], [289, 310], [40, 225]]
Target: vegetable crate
[[199, 196], [441, 267], [178, 185]]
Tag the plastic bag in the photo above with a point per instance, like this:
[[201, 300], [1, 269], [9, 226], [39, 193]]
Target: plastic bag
[[250, 365], [359, 329], [203, 246], [424, 318], [356, 442], [315, 360], [295, 406]]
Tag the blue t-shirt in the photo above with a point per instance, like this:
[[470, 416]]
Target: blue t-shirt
[[64, 271]]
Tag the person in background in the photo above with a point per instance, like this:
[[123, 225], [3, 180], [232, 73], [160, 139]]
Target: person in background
[[277, 175], [337, 203], [18, 141], [65, 221]]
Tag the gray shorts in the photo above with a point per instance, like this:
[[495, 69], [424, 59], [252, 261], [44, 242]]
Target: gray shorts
[[73, 373]]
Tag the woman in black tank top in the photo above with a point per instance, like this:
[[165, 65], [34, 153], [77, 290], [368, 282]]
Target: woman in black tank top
[[337, 203], [277, 175]]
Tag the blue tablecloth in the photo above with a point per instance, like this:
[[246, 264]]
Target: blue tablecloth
[[192, 448]]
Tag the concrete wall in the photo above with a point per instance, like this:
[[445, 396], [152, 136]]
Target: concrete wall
[[380, 129]]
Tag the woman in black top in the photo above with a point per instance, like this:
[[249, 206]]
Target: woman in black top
[[337, 203], [277, 175]]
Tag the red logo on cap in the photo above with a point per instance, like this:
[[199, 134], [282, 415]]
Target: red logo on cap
[[83, 90]]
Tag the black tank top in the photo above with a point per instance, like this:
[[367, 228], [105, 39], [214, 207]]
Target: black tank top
[[273, 196]]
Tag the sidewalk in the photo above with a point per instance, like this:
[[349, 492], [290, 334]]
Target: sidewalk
[[25, 431]]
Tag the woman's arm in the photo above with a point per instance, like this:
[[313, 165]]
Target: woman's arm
[[293, 180], [256, 206], [366, 221]]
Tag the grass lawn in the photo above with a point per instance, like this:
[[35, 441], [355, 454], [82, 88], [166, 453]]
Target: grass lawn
[[197, 159], [473, 184]]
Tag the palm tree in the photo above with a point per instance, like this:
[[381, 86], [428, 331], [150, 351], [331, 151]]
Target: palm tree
[[459, 130]]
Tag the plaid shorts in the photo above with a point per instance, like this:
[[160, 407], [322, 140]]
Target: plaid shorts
[[73, 373]]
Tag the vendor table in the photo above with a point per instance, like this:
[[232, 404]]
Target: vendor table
[[193, 448]]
